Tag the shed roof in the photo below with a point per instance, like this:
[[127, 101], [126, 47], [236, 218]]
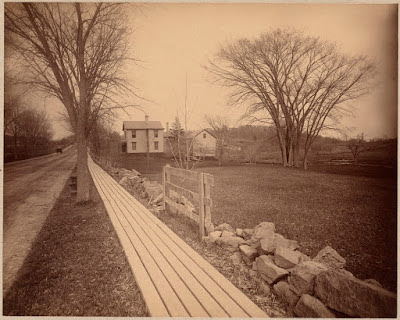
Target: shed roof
[[138, 125]]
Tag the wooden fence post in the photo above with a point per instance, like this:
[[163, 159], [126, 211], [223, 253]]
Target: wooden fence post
[[207, 208], [163, 175], [201, 205], [165, 178]]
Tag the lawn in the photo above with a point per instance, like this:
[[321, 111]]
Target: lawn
[[351, 208], [355, 215], [76, 267]]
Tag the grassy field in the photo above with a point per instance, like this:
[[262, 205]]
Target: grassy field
[[76, 267], [352, 208], [356, 215]]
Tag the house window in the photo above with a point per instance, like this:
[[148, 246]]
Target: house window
[[204, 135], [155, 145], [133, 145], [155, 133], [133, 133]]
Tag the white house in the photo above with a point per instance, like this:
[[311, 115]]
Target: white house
[[144, 136], [204, 144]]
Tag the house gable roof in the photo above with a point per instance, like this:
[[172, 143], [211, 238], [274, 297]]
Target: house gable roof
[[206, 130], [141, 125]]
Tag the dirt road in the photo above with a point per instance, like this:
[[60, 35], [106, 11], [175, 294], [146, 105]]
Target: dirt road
[[30, 190]]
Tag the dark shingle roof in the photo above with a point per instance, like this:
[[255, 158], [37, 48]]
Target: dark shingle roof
[[128, 125]]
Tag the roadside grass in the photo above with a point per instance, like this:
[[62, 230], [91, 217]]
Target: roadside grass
[[354, 215], [76, 267]]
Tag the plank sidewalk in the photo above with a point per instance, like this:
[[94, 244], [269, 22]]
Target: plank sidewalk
[[175, 280]]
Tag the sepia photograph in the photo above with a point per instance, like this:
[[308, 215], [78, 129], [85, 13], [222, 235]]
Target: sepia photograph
[[199, 159]]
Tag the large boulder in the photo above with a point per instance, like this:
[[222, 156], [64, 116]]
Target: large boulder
[[282, 289], [263, 287], [159, 199], [123, 181], [134, 179], [268, 245], [115, 170], [153, 189], [236, 258], [227, 234], [124, 172], [135, 172], [373, 282], [269, 271], [249, 254], [247, 234], [213, 236], [311, 307], [224, 227], [329, 257], [302, 277], [286, 258], [354, 297], [263, 230], [229, 243]]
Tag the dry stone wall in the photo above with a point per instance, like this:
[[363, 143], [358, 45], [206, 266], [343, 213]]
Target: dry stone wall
[[152, 191], [318, 287]]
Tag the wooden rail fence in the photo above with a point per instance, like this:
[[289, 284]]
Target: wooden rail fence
[[202, 197]]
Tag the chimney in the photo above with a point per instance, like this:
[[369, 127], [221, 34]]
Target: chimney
[[167, 127], [146, 118]]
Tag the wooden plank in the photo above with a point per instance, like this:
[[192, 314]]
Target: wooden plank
[[230, 307], [201, 206], [222, 290], [149, 292], [204, 297], [187, 174], [182, 209], [165, 291], [204, 270], [140, 238], [190, 195]]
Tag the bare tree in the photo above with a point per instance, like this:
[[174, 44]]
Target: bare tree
[[180, 140], [357, 146], [35, 128], [74, 52], [181, 143], [105, 143], [14, 111], [300, 83], [220, 127]]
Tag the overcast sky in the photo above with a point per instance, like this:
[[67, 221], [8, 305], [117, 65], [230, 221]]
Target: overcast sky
[[176, 40]]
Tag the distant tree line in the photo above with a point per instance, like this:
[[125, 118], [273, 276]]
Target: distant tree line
[[27, 131], [105, 143]]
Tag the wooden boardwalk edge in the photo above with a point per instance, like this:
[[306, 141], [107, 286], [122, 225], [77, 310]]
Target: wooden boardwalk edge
[[174, 265]]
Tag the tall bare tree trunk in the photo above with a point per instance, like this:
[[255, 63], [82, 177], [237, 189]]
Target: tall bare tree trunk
[[83, 190], [296, 147], [306, 151], [282, 144], [15, 147], [305, 164]]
